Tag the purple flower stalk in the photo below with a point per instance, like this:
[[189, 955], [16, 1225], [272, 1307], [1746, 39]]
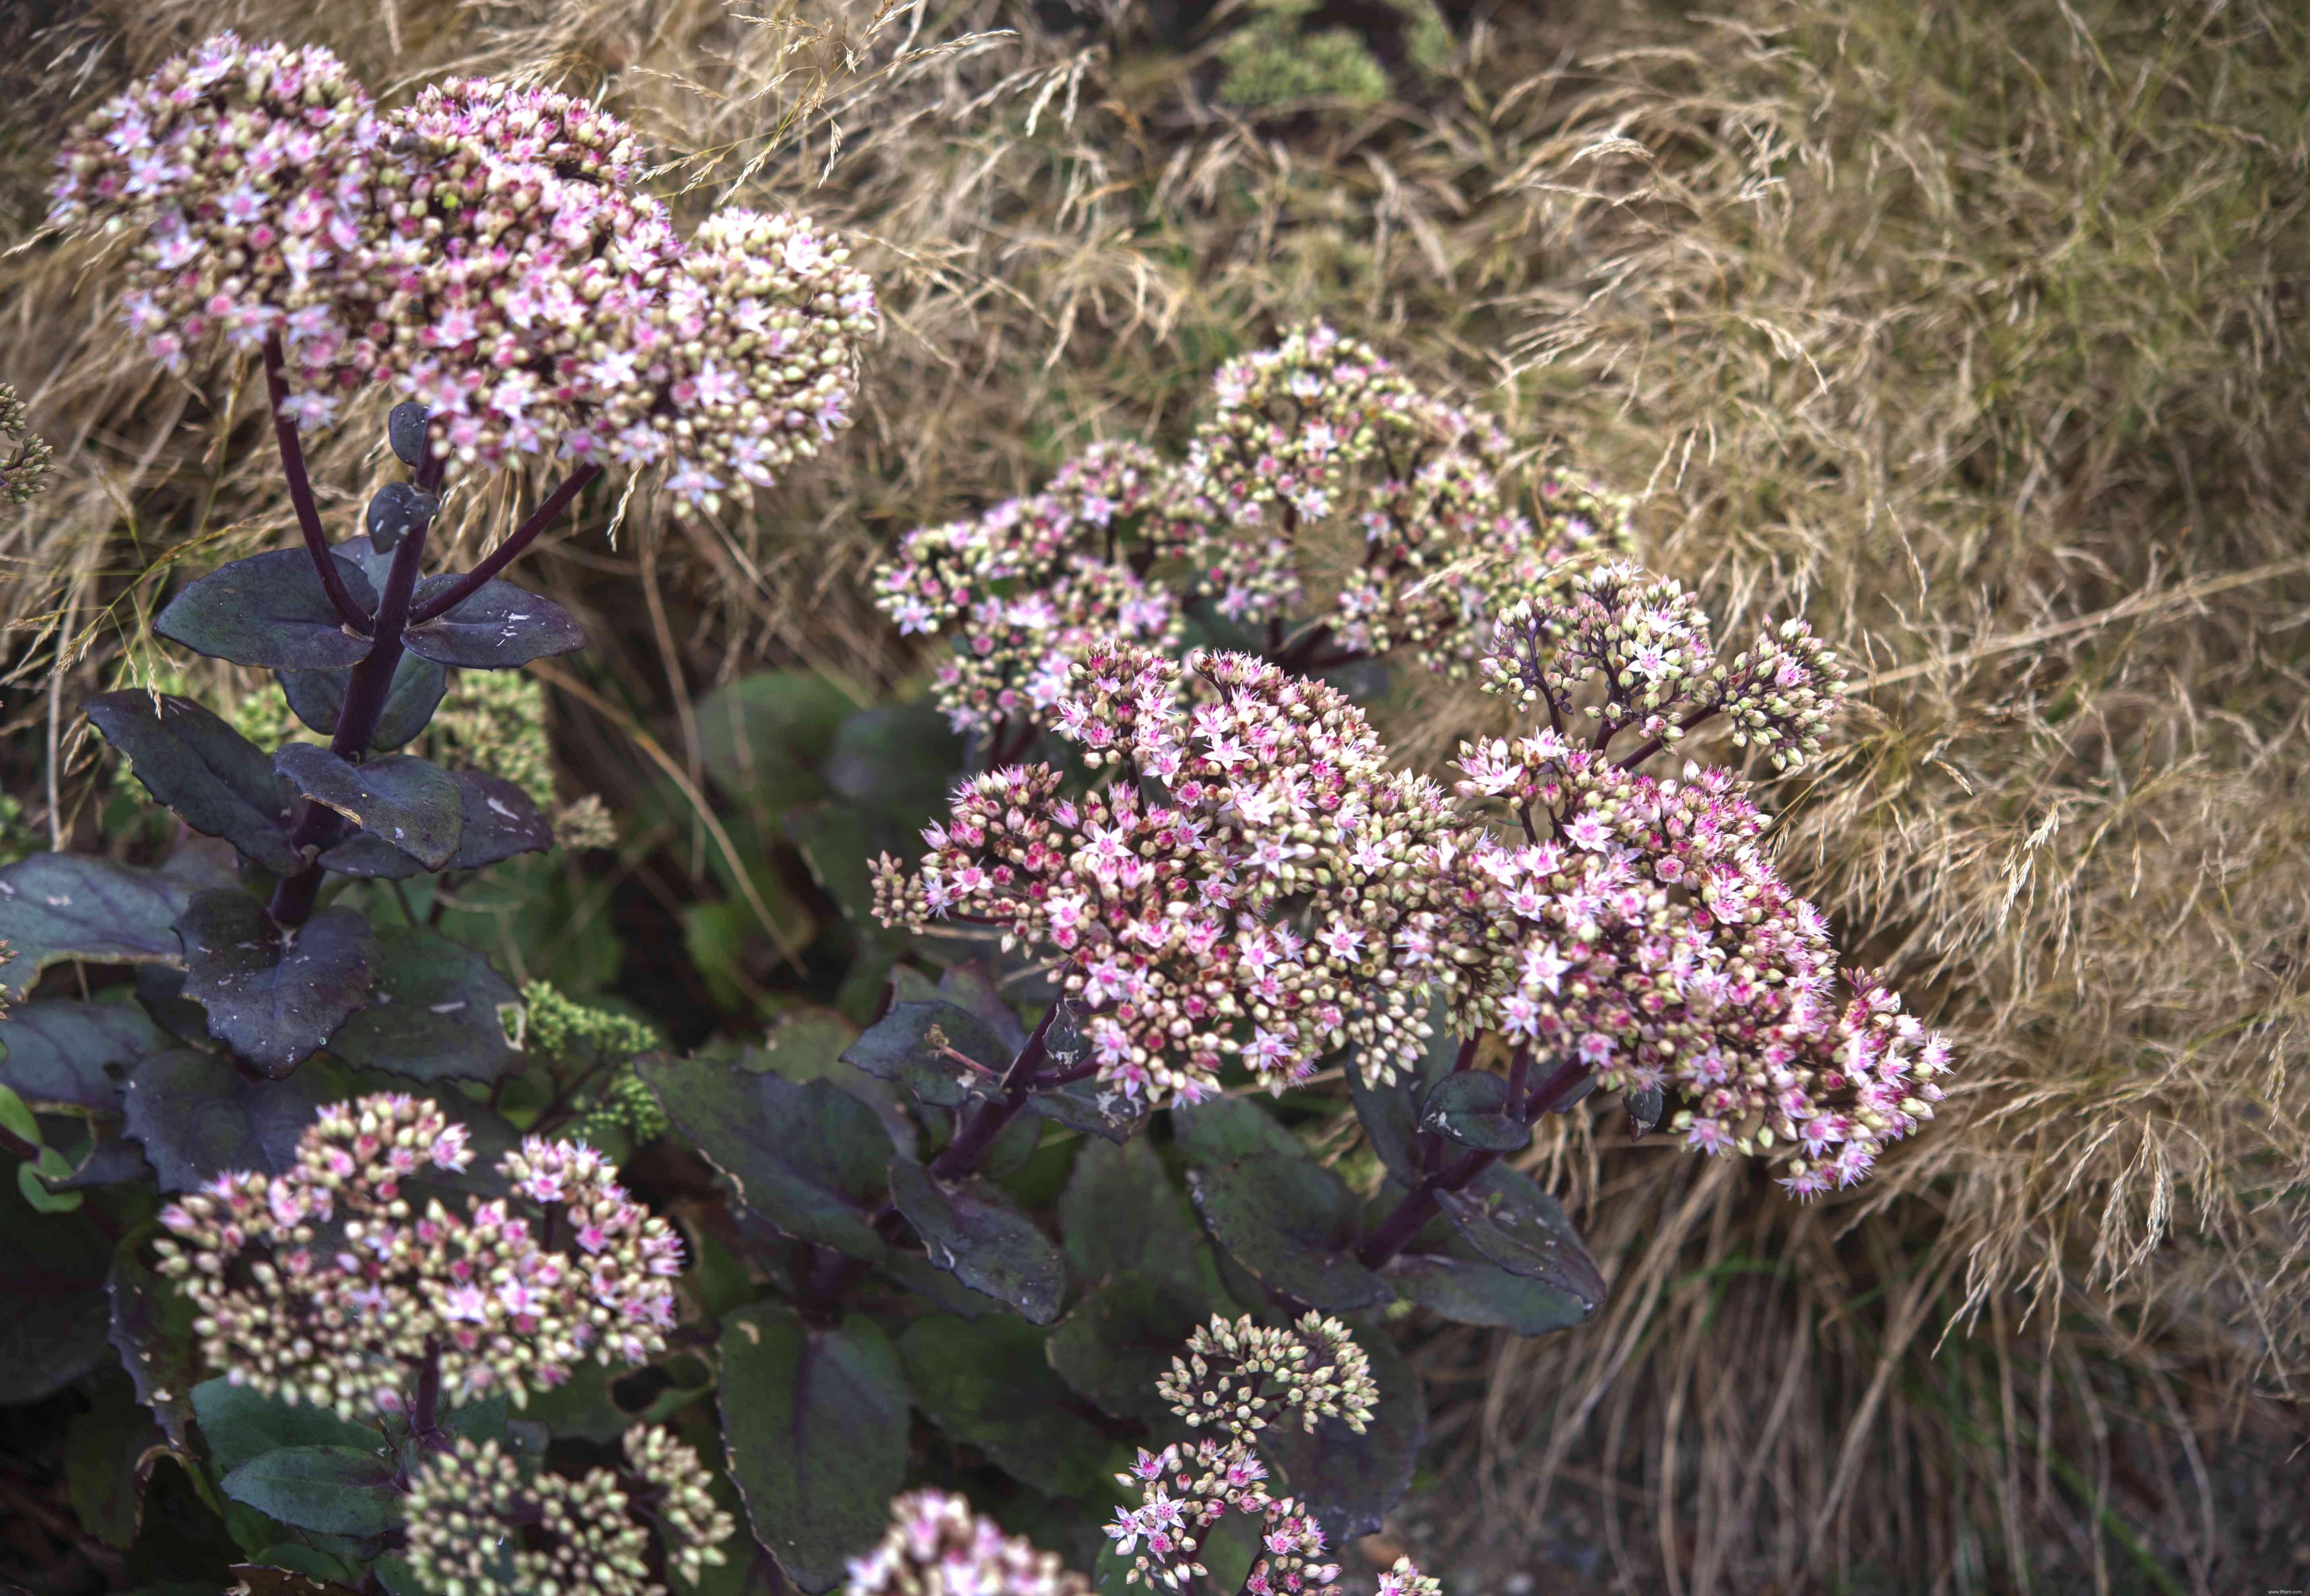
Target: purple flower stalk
[[324, 1285]]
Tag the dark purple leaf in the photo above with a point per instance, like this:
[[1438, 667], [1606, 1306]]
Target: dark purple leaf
[[806, 1156], [318, 698], [240, 1423], [1122, 1211], [274, 996], [501, 821], [409, 802], [106, 1448], [814, 1421], [53, 1311], [61, 1053], [55, 906], [394, 511], [1292, 1224], [258, 1579], [219, 782], [432, 1012], [498, 627], [152, 1331], [987, 1383], [198, 1116], [1223, 1129], [1508, 1218], [899, 1047], [1122, 1337], [1471, 1108], [405, 432], [974, 1233], [270, 611], [1469, 1289]]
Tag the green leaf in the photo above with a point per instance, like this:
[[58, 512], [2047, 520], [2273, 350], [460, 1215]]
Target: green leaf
[[1292, 1224], [814, 1421], [838, 843], [764, 737], [198, 1116], [318, 697], [1122, 1211], [975, 1234], [500, 627], [152, 1331], [1226, 1129], [432, 1012], [55, 906], [1120, 1336], [808, 1043], [239, 1425], [404, 800], [1469, 1107], [804, 1156], [1459, 1286], [987, 1384], [64, 1053], [1093, 1109], [1389, 1121], [899, 761], [217, 781], [899, 1049], [338, 1490], [1352, 1481], [1508, 1220], [270, 611], [586, 1407], [276, 1001], [105, 1449], [53, 1311]]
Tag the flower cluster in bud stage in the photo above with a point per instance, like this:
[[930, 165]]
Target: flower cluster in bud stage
[[1315, 443], [24, 466], [1237, 1380], [1174, 896], [482, 1521], [936, 1546], [482, 248], [325, 1285], [1320, 442]]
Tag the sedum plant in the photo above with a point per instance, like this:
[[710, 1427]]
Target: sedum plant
[[437, 1287], [1327, 512]]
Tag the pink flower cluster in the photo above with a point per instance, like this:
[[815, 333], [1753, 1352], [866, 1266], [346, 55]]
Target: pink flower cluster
[[483, 248], [1169, 895], [1320, 443], [1237, 1379], [323, 1285], [1312, 447], [938, 1546], [1028, 588]]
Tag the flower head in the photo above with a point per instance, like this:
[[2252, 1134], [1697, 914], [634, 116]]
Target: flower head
[[23, 471], [479, 1520], [936, 1546], [1234, 796], [325, 1284]]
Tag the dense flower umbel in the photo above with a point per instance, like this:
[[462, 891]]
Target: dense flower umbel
[[24, 466], [1637, 926], [481, 1521], [1648, 643], [482, 248], [244, 179], [1175, 896], [1320, 441], [938, 1546], [1237, 1380], [1028, 587], [323, 1285]]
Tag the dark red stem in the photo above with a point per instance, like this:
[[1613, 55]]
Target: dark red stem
[[300, 492], [366, 692], [1420, 1205], [509, 550], [986, 1121]]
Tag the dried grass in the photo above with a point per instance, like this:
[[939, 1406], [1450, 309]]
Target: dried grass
[[1973, 333]]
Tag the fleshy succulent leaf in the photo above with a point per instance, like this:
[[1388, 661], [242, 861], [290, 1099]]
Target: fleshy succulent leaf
[[432, 1012], [986, 1382], [217, 781], [275, 997], [270, 611], [318, 697], [409, 802], [499, 627], [1293, 1225], [976, 1234]]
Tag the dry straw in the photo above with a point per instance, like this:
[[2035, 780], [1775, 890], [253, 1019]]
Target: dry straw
[[1964, 330]]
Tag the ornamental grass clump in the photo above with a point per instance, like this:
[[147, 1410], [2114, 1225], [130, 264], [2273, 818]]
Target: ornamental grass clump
[[327, 1285]]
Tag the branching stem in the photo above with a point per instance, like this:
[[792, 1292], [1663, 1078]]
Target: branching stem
[[300, 493]]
